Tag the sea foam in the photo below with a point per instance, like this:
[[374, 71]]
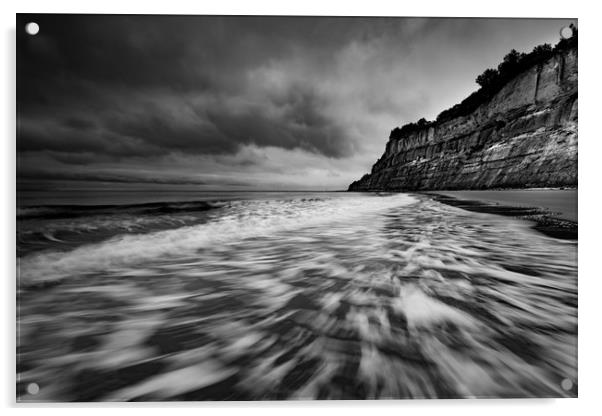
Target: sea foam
[[251, 219]]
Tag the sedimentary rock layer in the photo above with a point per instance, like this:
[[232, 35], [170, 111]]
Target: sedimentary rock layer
[[525, 136]]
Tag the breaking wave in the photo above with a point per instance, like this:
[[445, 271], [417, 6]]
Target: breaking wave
[[244, 219]]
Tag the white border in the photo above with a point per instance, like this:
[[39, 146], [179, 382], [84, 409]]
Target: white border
[[590, 288]]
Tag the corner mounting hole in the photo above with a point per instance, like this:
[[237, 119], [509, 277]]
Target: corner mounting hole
[[566, 384], [566, 32], [32, 28], [33, 388]]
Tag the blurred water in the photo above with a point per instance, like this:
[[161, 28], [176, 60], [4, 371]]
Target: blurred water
[[330, 296]]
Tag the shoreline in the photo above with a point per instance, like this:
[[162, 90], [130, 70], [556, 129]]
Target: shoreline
[[546, 220]]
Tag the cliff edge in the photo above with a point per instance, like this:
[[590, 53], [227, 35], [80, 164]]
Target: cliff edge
[[525, 135]]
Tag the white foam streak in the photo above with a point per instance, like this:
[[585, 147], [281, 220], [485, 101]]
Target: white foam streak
[[250, 220]]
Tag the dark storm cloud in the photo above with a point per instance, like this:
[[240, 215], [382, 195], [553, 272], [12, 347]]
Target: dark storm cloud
[[129, 90], [299, 123], [81, 124], [98, 63], [48, 136], [49, 175], [162, 132], [179, 52]]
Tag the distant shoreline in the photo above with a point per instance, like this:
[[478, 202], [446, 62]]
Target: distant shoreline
[[553, 213]]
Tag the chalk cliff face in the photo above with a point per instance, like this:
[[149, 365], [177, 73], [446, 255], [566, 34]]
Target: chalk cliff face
[[525, 136]]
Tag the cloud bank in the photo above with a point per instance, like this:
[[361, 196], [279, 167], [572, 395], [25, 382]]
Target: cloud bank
[[229, 101]]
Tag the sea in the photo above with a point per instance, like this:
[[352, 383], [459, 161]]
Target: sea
[[130, 296]]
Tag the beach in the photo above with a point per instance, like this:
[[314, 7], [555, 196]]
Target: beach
[[291, 296], [553, 211]]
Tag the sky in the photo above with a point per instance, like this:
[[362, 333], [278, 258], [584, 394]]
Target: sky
[[238, 103]]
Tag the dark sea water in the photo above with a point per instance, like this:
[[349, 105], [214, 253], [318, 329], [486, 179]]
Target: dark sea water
[[246, 296]]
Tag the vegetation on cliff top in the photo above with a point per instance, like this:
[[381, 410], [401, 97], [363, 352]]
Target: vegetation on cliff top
[[491, 82]]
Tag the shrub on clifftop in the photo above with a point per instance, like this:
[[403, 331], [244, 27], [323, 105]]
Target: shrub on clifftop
[[491, 81]]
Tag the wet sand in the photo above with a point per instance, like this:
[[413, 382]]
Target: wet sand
[[553, 211]]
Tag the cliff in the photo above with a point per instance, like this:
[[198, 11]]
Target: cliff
[[524, 136]]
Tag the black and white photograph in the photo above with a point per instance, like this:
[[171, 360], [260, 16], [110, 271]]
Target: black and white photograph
[[287, 207]]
